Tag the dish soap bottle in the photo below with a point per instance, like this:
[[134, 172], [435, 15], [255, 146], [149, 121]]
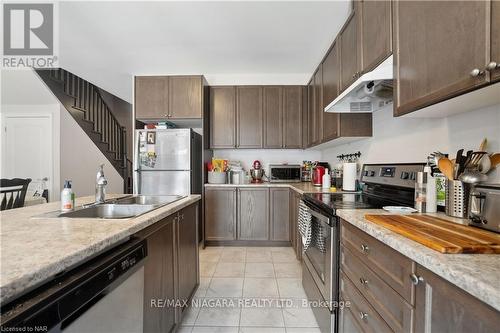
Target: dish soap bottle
[[67, 197], [326, 181]]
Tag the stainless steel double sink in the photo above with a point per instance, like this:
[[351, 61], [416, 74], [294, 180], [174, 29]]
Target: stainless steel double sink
[[122, 208]]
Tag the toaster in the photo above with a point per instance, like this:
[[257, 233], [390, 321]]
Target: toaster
[[485, 207]]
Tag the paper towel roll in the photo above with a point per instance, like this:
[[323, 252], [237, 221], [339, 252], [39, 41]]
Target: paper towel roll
[[349, 176]]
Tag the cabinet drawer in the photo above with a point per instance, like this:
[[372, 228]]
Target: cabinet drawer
[[365, 315], [389, 304], [394, 268]]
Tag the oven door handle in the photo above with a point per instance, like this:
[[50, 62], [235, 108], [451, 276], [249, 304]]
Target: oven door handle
[[320, 217]]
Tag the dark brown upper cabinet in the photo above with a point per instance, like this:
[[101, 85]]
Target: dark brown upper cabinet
[[494, 65], [185, 97], [318, 105], [249, 116], [273, 115], [170, 97], [292, 117], [311, 114], [151, 97], [223, 117], [376, 32], [331, 77], [349, 51], [305, 117], [441, 50]]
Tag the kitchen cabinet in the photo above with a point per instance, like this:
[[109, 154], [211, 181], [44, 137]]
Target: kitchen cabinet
[[160, 279], [292, 117], [280, 214], [311, 114], [331, 75], [295, 236], [187, 251], [317, 108], [253, 213], [305, 117], [249, 117], [223, 117], [440, 51], [442, 307], [349, 51], [170, 97], [376, 32], [273, 115], [151, 97], [495, 41], [185, 97], [220, 213]]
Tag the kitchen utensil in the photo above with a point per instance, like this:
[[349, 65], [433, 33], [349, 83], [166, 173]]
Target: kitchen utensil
[[457, 198], [484, 143], [446, 167], [495, 160], [399, 209], [458, 163], [439, 234], [433, 159], [484, 164], [472, 177], [475, 158]]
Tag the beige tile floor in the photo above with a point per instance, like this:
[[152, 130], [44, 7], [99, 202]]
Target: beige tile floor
[[253, 274]]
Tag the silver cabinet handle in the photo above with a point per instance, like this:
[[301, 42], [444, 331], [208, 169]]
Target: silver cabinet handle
[[363, 281], [363, 315], [364, 248], [416, 279], [492, 65], [476, 72]]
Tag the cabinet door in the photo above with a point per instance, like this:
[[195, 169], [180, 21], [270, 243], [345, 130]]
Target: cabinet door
[[442, 307], [151, 97], [438, 45], [249, 116], [185, 97], [187, 251], [495, 39], [253, 214], [220, 213], [222, 117], [280, 214], [318, 104], [305, 117], [349, 49], [273, 115], [292, 117], [311, 114], [159, 279], [376, 33], [331, 77], [293, 219]]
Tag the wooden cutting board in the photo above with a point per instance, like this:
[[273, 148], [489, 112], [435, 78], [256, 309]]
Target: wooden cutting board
[[439, 234]]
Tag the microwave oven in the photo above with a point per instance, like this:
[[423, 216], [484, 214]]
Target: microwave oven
[[284, 173]]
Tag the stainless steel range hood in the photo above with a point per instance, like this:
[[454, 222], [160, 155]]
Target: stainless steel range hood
[[369, 93]]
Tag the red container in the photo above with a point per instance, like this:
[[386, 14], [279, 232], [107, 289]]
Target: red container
[[317, 177]]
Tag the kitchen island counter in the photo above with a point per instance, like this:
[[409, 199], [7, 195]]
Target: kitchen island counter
[[477, 274], [34, 249]]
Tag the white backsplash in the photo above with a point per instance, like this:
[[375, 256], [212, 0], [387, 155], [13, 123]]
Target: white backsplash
[[268, 156], [407, 140]]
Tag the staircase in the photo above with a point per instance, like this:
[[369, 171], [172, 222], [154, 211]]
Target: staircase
[[84, 102]]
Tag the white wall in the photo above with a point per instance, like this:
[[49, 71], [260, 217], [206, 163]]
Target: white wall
[[80, 159], [411, 139], [267, 156]]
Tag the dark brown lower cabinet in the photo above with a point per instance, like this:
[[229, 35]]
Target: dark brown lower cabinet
[[295, 236], [171, 268], [253, 213], [442, 307], [280, 214], [220, 213], [160, 279]]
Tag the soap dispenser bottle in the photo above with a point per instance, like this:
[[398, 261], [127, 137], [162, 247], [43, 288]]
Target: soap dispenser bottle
[[67, 197]]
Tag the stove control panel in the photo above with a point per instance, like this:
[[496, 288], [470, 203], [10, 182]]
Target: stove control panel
[[403, 175]]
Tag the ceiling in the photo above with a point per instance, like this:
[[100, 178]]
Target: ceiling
[[232, 42]]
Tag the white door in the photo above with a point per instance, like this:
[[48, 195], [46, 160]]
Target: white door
[[27, 149]]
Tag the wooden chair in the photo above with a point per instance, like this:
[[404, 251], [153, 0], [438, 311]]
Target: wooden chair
[[13, 192]]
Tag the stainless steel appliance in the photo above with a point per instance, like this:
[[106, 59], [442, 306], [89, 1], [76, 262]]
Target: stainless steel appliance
[[167, 162], [384, 185], [485, 207], [105, 294], [284, 173]]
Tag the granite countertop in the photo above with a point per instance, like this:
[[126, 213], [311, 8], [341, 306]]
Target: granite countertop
[[33, 250], [301, 188], [477, 274]]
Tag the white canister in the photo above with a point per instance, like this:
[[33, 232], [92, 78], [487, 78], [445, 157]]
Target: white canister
[[349, 176]]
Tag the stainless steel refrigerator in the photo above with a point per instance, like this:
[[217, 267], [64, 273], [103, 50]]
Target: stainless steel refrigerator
[[167, 162]]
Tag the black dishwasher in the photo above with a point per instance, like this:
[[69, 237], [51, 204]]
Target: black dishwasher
[[104, 293]]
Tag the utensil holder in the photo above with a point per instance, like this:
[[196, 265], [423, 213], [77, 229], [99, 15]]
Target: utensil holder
[[457, 199]]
